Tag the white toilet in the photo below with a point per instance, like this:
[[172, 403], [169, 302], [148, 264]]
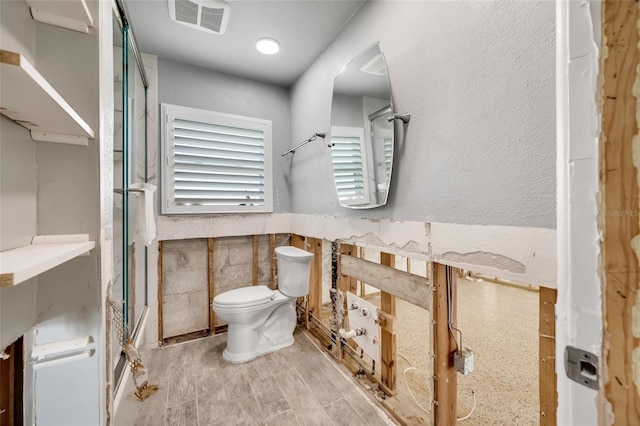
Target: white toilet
[[262, 320]]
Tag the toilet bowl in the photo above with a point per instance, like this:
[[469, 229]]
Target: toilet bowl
[[262, 320]]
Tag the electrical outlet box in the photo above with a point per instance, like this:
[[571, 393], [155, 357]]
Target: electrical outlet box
[[463, 361]]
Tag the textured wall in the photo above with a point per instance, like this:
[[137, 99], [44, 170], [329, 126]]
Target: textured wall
[[194, 87], [478, 80]]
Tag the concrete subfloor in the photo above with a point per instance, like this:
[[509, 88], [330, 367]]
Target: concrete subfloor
[[298, 385]]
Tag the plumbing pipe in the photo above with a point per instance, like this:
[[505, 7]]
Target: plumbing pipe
[[352, 333]]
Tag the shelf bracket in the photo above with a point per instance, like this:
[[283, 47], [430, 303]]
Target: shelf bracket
[[59, 138]]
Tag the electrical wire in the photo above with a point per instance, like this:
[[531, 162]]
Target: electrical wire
[[459, 347], [449, 281], [473, 394], [404, 374]]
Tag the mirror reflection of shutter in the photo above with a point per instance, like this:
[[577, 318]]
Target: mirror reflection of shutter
[[348, 167], [218, 165], [388, 154]]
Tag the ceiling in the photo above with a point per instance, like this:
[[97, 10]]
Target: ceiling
[[303, 27]]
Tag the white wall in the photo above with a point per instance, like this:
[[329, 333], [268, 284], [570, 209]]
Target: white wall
[[478, 80], [578, 310]]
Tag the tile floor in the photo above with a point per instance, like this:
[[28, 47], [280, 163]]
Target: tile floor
[[298, 385]]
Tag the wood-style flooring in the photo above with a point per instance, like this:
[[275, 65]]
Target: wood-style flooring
[[298, 385]]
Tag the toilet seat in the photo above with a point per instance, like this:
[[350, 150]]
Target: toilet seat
[[245, 297]]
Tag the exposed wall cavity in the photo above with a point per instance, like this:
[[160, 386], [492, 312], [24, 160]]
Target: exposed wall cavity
[[233, 262], [185, 277], [185, 287], [526, 255]]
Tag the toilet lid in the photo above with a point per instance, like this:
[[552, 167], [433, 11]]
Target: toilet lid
[[244, 296]]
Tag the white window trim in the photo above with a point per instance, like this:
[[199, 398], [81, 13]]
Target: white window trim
[[357, 132], [168, 115]]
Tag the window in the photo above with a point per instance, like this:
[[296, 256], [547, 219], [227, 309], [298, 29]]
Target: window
[[348, 156], [214, 162]]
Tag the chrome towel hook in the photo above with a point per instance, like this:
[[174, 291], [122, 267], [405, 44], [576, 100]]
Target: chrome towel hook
[[306, 141]]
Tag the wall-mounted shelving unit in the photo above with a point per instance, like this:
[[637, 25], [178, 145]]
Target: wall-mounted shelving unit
[[44, 253], [29, 100], [70, 14]]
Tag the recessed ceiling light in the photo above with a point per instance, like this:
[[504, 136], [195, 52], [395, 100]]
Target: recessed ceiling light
[[268, 46]]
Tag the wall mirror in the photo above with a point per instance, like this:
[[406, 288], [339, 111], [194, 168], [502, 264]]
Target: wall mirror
[[362, 137]]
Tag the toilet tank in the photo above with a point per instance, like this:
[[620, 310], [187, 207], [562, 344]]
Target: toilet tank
[[294, 269]]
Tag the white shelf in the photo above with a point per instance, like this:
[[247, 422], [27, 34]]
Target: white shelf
[[44, 253], [28, 99], [70, 14]]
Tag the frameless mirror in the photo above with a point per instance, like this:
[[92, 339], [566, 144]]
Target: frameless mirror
[[362, 137]]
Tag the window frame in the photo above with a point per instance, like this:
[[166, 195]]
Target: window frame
[[168, 114]]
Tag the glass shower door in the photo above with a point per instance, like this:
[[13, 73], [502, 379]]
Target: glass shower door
[[130, 173]]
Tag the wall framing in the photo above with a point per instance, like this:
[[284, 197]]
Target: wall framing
[[547, 382], [620, 226], [414, 288]]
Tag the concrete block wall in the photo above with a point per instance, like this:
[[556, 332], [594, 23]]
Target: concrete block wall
[[185, 277], [233, 262], [185, 287]]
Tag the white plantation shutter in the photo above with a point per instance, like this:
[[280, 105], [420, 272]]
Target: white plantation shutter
[[349, 165], [215, 162]]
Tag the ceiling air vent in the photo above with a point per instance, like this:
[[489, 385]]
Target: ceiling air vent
[[205, 15]]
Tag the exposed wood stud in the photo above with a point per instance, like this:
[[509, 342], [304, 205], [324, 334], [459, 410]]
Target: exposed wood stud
[[347, 281], [222, 328], [412, 288], [315, 284], [160, 331], [297, 241], [212, 288], [7, 389], [619, 186], [187, 337], [12, 377], [256, 242], [547, 364], [272, 260], [300, 242], [363, 286], [388, 337], [445, 387]]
